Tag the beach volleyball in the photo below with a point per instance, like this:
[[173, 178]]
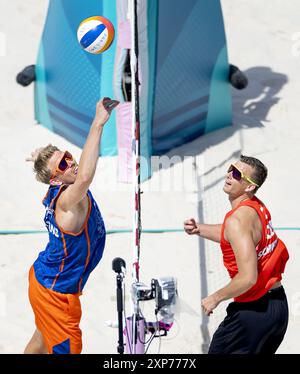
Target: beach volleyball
[[95, 34]]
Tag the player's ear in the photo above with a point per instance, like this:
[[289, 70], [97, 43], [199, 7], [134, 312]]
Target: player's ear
[[250, 188]]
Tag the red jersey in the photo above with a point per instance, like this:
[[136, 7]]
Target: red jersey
[[272, 254]]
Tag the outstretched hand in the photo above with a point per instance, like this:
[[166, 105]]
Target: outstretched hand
[[110, 104], [104, 108]]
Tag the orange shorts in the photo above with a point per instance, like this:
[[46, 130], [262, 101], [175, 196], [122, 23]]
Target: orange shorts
[[57, 316]]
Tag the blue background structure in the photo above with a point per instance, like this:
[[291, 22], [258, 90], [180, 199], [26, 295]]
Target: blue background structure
[[69, 80], [191, 79], [187, 91]]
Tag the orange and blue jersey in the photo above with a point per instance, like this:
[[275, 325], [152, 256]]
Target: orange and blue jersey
[[69, 258]]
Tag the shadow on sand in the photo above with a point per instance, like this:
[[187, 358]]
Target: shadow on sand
[[250, 108]]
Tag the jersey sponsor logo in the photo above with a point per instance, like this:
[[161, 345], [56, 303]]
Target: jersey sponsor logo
[[268, 249], [52, 229], [270, 230], [49, 213]]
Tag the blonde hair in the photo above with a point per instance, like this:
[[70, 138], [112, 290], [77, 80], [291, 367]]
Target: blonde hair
[[40, 167]]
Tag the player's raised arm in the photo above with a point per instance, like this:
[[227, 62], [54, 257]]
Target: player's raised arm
[[89, 157]]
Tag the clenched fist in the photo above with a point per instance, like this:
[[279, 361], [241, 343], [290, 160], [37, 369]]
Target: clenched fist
[[190, 226]]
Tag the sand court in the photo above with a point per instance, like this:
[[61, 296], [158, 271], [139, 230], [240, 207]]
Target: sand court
[[265, 125]]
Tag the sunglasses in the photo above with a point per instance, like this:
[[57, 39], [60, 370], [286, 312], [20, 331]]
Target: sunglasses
[[63, 165], [238, 175]]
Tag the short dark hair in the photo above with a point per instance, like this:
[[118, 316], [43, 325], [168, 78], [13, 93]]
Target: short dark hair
[[260, 171]]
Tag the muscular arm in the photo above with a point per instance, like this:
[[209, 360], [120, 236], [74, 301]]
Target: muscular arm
[[211, 232], [241, 239], [239, 233], [88, 161]]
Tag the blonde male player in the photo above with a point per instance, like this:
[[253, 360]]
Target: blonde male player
[[76, 240]]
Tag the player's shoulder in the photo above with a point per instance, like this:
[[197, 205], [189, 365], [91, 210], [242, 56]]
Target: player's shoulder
[[245, 211], [243, 215]]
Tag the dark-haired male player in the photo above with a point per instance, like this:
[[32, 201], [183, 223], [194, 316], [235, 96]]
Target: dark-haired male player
[[255, 258]]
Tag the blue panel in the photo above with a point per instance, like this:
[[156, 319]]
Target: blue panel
[[109, 136], [219, 113], [176, 141], [62, 348], [148, 58], [72, 75], [40, 92], [189, 41]]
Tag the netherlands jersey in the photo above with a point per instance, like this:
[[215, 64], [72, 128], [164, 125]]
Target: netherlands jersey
[[272, 254], [68, 259]]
